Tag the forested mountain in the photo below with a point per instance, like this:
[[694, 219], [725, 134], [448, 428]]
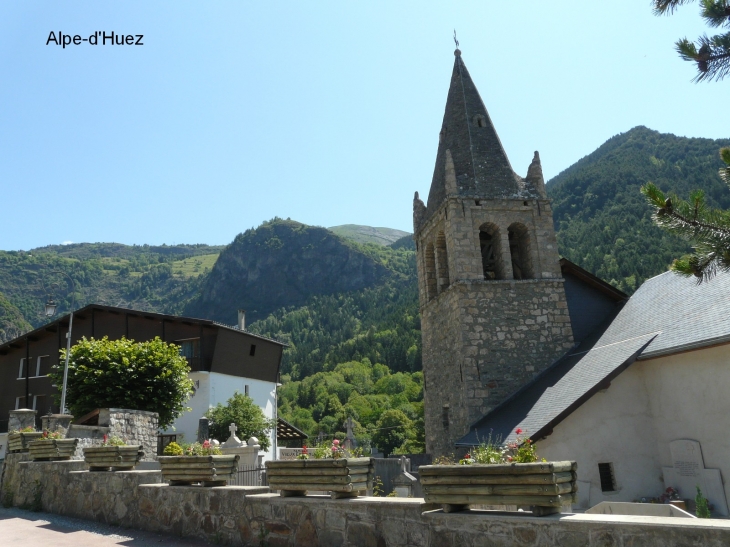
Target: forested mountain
[[602, 220], [142, 277], [350, 310], [12, 322], [368, 234], [283, 263]]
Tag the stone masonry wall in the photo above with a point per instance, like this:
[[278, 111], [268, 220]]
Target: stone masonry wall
[[482, 341], [237, 515], [134, 426]]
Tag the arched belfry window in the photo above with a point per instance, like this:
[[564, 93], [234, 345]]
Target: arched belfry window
[[480, 121], [442, 263], [430, 258], [489, 245], [519, 249]]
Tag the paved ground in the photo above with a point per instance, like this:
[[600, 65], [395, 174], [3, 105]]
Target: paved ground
[[18, 527]]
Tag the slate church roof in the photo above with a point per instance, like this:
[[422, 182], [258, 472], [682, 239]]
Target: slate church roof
[[668, 314], [481, 165]]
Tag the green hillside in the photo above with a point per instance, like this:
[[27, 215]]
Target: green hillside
[[603, 222], [12, 322], [368, 234], [161, 278]]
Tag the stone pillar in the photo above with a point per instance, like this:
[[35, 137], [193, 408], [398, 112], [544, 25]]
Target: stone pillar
[[21, 418], [57, 422], [203, 430]]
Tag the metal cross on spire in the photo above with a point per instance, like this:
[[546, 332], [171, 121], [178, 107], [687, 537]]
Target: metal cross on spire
[[455, 40]]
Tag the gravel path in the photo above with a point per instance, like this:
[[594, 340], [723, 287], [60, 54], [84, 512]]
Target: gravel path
[[19, 527]]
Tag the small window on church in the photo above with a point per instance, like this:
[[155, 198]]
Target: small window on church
[[445, 416], [480, 121], [252, 351], [490, 251], [608, 480]]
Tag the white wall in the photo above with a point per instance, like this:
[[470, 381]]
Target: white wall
[[650, 404], [217, 388]]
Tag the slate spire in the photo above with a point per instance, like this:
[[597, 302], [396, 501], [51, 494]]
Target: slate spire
[[480, 164]]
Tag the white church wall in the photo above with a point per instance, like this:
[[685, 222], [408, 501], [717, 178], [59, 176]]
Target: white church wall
[[690, 399], [632, 423], [614, 426]]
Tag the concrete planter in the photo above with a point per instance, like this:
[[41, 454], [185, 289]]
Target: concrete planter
[[206, 470], [105, 458], [343, 477], [18, 442], [53, 449], [545, 487]]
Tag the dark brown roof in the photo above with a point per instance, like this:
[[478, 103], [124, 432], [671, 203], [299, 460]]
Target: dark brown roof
[[287, 432], [63, 320]]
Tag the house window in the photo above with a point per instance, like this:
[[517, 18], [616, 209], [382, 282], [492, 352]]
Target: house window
[[190, 349], [19, 402], [21, 369], [245, 389], [608, 480], [252, 351], [41, 366]]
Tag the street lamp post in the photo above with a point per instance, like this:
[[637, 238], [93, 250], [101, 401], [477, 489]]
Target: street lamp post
[[50, 311]]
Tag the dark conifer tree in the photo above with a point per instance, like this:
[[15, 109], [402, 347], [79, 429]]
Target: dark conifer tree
[[711, 53]]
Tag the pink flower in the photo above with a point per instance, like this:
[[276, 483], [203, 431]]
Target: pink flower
[[509, 458], [104, 439], [206, 443], [304, 449], [335, 442]]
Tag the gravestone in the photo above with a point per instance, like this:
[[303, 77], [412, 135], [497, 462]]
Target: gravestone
[[688, 472]]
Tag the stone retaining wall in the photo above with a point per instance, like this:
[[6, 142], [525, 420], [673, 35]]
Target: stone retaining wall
[[242, 515]]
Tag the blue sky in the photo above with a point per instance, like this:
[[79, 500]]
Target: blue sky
[[232, 113]]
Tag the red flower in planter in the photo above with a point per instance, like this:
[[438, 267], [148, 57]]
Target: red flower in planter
[[518, 431]]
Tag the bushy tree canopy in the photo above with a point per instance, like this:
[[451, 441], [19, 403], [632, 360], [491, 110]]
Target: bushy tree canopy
[[392, 430], [248, 417], [105, 373]]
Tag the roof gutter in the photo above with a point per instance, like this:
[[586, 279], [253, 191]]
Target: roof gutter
[[718, 340]]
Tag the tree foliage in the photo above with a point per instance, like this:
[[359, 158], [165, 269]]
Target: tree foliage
[[392, 430], [711, 53], [602, 220], [322, 402], [248, 417], [105, 373], [708, 229]]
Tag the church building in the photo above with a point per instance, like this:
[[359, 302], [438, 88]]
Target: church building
[[516, 337]]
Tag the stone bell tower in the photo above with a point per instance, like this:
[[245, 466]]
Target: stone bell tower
[[493, 307]]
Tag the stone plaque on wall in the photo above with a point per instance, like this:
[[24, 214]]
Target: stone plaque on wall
[[688, 472]]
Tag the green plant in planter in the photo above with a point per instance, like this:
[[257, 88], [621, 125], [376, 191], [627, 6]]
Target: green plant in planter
[[29, 429], [191, 449], [173, 449], [113, 440]]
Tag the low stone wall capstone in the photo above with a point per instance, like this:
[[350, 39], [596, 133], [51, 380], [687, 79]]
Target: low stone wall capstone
[[239, 515]]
